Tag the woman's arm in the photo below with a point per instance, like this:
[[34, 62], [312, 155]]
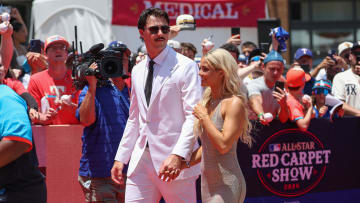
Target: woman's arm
[[234, 116]]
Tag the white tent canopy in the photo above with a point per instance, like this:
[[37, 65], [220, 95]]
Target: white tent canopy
[[92, 18]]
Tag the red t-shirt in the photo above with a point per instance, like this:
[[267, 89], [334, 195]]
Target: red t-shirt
[[296, 110], [43, 85], [15, 85]]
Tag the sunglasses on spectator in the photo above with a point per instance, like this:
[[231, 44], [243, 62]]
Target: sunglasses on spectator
[[58, 46], [155, 29], [346, 56], [321, 91]]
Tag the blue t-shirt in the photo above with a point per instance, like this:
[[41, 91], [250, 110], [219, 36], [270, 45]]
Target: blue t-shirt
[[102, 138], [14, 122]]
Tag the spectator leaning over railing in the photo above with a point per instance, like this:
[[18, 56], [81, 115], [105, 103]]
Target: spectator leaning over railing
[[300, 106], [262, 97], [346, 85], [53, 88]]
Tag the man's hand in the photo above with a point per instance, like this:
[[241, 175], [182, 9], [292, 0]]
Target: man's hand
[[262, 119], [116, 173], [9, 30], [326, 62], [43, 118], [280, 96], [92, 79], [15, 73], [170, 168], [235, 39], [206, 46], [38, 62], [174, 31], [322, 111]]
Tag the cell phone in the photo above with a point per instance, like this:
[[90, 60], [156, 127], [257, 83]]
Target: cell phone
[[280, 85], [264, 47], [235, 31], [35, 45], [331, 54]]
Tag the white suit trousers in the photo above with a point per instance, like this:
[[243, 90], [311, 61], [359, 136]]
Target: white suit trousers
[[144, 185]]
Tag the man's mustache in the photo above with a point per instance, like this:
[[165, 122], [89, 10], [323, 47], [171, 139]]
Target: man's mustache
[[159, 38]]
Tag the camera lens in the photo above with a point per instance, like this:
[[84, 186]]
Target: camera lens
[[110, 67]]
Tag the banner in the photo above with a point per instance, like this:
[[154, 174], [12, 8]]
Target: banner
[[289, 165], [207, 13]]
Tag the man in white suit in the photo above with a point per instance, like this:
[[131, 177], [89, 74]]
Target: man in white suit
[[159, 132]]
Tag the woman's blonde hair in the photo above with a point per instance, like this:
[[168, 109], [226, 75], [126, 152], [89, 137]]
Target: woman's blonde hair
[[220, 59]]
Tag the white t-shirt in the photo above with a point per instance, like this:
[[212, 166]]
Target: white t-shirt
[[346, 87], [321, 75]]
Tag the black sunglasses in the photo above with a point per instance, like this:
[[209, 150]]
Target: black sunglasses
[[155, 29], [346, 56]]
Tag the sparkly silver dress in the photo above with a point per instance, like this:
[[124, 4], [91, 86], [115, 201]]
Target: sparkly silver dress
[[222, 180]]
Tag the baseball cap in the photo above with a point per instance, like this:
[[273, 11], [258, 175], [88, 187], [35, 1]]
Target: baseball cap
[[344, 46], [322, 84], [56, 39], [118, 46], [355, 45], [302, 52], [273, 56], [296, 77], [174, 44]]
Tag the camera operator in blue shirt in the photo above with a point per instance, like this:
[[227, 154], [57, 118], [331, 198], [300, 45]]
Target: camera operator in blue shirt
[[103, 110]]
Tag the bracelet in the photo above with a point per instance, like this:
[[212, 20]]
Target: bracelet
[[187, 163], [260, 115]]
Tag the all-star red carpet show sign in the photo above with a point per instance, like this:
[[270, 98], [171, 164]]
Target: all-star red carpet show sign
[[291, 162], [288, 165]]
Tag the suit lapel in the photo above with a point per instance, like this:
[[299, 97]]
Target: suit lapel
[[163, 75], [141, 78]]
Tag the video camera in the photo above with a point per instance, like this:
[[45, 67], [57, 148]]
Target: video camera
[[109, 62]]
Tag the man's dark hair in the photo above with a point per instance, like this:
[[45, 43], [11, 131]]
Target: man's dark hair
[[248, 44], [230, 47], [151, 12], [189, 46]]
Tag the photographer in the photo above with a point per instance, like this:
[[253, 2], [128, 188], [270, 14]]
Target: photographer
[[346, 85], [103, 109]]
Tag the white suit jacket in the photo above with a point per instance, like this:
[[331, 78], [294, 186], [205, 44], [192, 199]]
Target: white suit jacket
[[167, 123]]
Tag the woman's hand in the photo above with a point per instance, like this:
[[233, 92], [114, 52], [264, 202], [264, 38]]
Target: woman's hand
[[200, 112]]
